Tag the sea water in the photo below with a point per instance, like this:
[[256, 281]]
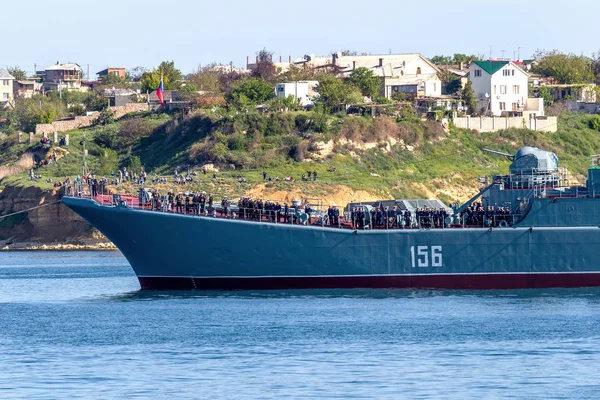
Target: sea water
[[75, 325]]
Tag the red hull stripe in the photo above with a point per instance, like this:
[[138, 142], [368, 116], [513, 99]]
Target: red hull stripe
[[471, 281]]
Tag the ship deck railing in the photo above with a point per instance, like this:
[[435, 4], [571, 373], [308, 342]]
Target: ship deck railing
[[318, 218]]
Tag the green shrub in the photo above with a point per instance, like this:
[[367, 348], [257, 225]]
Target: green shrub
[[106, 136], [594, 123], [107, 116]]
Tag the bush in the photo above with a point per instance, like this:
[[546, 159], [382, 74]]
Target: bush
[[133, 163], [108, 161], [107, 116], [106, 137], [354, 128], [594, 123], [237, 141], [382, 128], [279, 124], [133, 129]]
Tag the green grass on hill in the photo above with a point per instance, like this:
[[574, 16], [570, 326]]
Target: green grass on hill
[[436, 162]]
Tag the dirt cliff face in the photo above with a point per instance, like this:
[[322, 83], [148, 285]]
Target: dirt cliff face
[[45, 225]]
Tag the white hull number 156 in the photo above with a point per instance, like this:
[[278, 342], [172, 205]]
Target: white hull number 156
[[426, 256]]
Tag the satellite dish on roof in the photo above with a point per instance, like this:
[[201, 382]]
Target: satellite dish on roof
[[487, 95]]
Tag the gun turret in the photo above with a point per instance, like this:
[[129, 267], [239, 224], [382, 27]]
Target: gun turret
[[509, 156]]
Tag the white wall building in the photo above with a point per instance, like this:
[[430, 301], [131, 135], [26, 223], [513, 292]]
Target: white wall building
[[408, 73], [301, 90], [6, 87], [501, 87]]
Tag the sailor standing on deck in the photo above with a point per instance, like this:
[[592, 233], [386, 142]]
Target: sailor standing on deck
[[210, 204], [179, 202]]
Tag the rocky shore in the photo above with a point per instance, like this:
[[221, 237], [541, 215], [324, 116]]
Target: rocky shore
[[59, 247]]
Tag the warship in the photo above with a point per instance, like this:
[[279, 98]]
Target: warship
[[547, 236]]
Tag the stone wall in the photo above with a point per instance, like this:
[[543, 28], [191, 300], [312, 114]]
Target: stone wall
[[579, 106], [493, 124], [89, 120]]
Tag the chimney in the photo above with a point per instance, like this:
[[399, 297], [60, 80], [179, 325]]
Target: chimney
[[381, 62], [247, 61], [460, 66], [333, 58], [280, 60], [290, 59], [353, 65], [257, 59]]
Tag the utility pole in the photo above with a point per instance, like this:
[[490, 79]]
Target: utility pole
[[518, 53], [88, 74]]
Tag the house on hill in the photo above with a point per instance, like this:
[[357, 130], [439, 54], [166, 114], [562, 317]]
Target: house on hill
[[411, 74], [63, 77], [25, 89], [501, 88], [6, 88], [118, 72]]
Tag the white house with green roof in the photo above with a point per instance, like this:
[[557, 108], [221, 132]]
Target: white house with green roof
[[501, 87]]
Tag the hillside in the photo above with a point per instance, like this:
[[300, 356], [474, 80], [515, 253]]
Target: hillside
[[356, 158]]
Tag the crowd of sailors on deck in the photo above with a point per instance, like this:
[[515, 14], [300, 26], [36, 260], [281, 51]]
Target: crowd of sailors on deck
[[384, 217], [477, 215]]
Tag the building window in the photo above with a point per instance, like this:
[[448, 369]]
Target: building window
[[494, 89], [418, 70], [502, 89], [516, 89], [5, 82], [512, 72], [502, 106], [5, 96], [477, 72], [434, 86], [514, 107]]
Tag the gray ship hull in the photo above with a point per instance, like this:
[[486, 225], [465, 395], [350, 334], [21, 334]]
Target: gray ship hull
[[172, 251]]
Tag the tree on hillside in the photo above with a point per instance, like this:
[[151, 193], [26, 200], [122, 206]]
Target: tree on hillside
[[135, 74], [364, 79], [206, 79], [468, 97], [441, 60], [596, 65], [455, 59], [37, 110], [18, 73], [171, 77], [464, 58], [333, 92], [249, 92], [265, 69], [565, 68], [114, 81], [295, 73]]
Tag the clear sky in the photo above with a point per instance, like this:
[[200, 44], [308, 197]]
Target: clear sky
[[128, 33]]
